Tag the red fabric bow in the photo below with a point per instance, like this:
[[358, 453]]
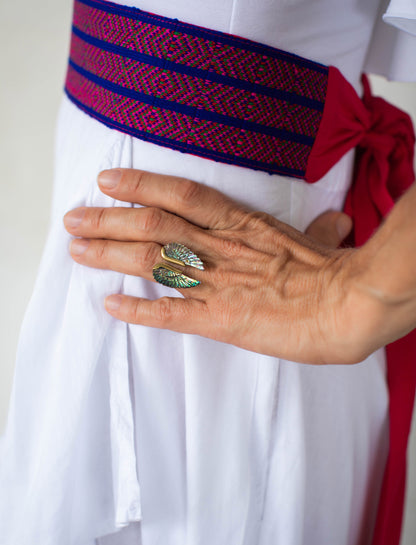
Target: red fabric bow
[[384, 165], [383, 171]]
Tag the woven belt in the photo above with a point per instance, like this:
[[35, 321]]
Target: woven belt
[[236, 101], [193, 89]]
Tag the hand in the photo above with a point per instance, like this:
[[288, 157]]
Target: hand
[[266, 287]]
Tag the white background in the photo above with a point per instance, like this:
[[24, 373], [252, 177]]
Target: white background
[[34, 42]]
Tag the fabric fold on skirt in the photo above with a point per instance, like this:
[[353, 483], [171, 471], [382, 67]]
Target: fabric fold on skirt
[[81, 413]]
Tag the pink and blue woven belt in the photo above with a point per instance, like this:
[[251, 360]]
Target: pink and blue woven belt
[[232, 100], [193, 89]]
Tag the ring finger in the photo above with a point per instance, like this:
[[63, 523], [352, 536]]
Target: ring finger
[[134, 258]]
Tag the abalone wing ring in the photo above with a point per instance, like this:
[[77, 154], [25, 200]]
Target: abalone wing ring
[[175, 253]]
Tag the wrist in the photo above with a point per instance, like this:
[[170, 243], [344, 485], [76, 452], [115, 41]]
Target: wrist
[[387, 261], [383, 304]]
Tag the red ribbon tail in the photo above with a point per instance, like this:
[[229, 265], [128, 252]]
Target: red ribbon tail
[[383, 172]]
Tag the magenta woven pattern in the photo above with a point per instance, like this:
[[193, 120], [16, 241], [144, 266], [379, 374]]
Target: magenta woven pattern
[[193, 89]]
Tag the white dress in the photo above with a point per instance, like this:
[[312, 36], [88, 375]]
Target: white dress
[[124, 435]]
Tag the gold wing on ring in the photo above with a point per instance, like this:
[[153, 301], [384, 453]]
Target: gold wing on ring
[[171, 277], [181, 253]]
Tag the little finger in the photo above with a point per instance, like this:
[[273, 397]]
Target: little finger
[[174, 313]]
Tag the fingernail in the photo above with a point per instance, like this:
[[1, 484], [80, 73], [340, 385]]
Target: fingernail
[[343, 225], [113, 302], [78, 246], [109, 179], [74, 218]]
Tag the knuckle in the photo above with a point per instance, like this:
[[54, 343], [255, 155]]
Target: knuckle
[[135, 314], [98, 219], [102, 251], [234, 216], [188, 191], [231, 248], [146, 257], [137, 180], [258, 219], [151, 219], [163, 310], [282, 241]]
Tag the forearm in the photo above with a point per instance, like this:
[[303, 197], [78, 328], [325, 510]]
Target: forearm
[[387, 269]]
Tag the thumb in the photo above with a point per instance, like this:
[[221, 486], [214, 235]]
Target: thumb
[[330, 228]]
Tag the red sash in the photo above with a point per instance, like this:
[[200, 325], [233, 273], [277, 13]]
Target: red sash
[[383, 171]]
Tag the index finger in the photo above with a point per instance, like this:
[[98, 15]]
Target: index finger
[[197, 203]]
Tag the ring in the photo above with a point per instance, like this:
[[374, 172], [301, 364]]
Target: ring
[[177, 254]]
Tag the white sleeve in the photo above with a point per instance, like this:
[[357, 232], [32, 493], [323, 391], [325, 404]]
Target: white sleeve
[[392, 51], [402, 14]]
